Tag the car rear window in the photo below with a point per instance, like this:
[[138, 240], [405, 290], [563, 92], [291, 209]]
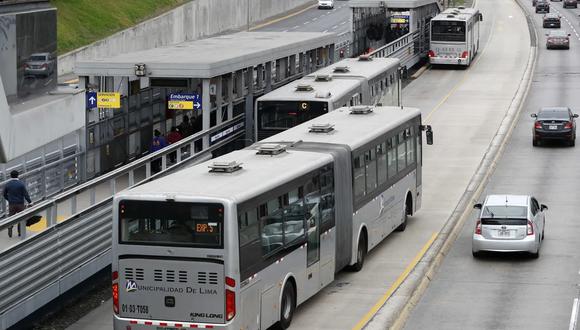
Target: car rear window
[[38, 58], [504, 211], [554, 114], [504, 222]]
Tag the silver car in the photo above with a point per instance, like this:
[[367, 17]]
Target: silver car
[[40, 64], [509, 223]]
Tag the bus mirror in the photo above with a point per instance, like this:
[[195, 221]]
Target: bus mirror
[[533, 115], [429, 135], [477, 206], [480, 17]]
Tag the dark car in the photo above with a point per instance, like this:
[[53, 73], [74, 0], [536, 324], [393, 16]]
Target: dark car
[[570, 4], [551, 21], [542, 7], [558, 39], [554, 123]]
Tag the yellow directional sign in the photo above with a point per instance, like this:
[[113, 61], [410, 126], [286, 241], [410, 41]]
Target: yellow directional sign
[[180, 105], [109, 100]]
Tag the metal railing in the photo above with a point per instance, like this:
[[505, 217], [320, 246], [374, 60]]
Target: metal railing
[[406, 49], [46, 265]]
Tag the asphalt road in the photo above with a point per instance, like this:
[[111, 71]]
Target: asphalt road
[[337, 20], [513, 291]]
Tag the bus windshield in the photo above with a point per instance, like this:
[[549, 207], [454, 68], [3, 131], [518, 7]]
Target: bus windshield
[[448, 31], [171, 223], [286, 114]]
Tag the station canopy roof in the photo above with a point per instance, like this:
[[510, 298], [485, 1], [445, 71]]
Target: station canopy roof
[[207, 58]]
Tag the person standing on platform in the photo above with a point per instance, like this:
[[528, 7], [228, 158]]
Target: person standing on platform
[[185, 127], [15, 193], [172, 138], [157, 144]]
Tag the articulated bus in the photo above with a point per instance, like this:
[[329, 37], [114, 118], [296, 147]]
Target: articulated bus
[[455, 36], [350, 82], [240, 241]]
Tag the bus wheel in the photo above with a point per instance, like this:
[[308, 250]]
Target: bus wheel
[[361, 253], [403, 224], [288, 306]]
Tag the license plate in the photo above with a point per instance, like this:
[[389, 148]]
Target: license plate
[[553, 127], [504, 233]]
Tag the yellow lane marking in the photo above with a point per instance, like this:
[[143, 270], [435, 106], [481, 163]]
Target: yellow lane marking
[[282, 18], [368, 316], [41, 225], [72, 81]]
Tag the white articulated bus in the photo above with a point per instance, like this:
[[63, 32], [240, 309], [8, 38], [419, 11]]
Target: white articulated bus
[[350, 82], [455, 36], [238, 242]]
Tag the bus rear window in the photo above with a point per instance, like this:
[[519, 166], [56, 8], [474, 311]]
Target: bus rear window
[[171, 223], [448, 31]]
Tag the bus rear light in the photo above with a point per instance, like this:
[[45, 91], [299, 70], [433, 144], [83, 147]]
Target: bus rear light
[[116, 298], [530, 228], [230, 304], [568, 125], [431, 53], [230, 282], [478, 227], [115, 275], [538, 125], [464, 54]]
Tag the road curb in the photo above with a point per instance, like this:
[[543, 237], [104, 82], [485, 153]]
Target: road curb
[[394, 313]]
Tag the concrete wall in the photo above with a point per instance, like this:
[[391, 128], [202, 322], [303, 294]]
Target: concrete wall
[[26, 130], [191, 21]]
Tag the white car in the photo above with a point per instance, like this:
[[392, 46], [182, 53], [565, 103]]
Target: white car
[[328, 4], [509, 223]]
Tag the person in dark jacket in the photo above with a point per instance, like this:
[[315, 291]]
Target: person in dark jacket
[[157, 144], [15, 193]]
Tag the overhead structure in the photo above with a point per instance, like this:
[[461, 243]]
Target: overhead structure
[[212, 81]]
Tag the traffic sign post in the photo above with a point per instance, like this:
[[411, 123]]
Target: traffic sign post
[[190, 101]]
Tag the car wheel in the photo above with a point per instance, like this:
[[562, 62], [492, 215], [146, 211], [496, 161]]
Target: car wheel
[[543, 235], [288, 306], [536, 255], [476, 254], [360, 254], [535, 142], [572, 142]]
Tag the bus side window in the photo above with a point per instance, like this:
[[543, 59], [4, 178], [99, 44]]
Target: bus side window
[[401, 152], [248, 226], [294, 216], [359, 177], [392, 156], [271, 224], [381, 163], [371, 170], [327, 197]]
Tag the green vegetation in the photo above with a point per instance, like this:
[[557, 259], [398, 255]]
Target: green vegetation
[[81, 22]]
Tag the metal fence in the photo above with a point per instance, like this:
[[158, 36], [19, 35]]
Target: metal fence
[[407, 49], [44, 266]]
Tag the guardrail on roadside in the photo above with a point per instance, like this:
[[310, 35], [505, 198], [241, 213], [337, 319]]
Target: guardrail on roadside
[[406, 49]]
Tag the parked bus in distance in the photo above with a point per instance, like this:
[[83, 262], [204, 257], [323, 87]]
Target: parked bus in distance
[[455, 36], [240, 241], [353, 81]]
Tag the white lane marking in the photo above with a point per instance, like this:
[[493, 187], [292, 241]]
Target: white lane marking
[[306, 22], [510, 16], [570, 24], [324, 31], [297, 26], [574, 315], [285, 31], [343, 23], [334, 27], [328, 13], [315, 18]]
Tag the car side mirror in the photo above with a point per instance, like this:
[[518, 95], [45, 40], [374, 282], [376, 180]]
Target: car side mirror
[[477, 206], [533, 115], [569, 34], [481, 17], [575, 115], [543, 207]]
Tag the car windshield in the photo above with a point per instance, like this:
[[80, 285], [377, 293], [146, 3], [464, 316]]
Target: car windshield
[[37, 58], [504, 211], [554, 114], [551, 17]]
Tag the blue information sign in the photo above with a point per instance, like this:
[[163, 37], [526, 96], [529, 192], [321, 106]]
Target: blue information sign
[[91, 100]]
